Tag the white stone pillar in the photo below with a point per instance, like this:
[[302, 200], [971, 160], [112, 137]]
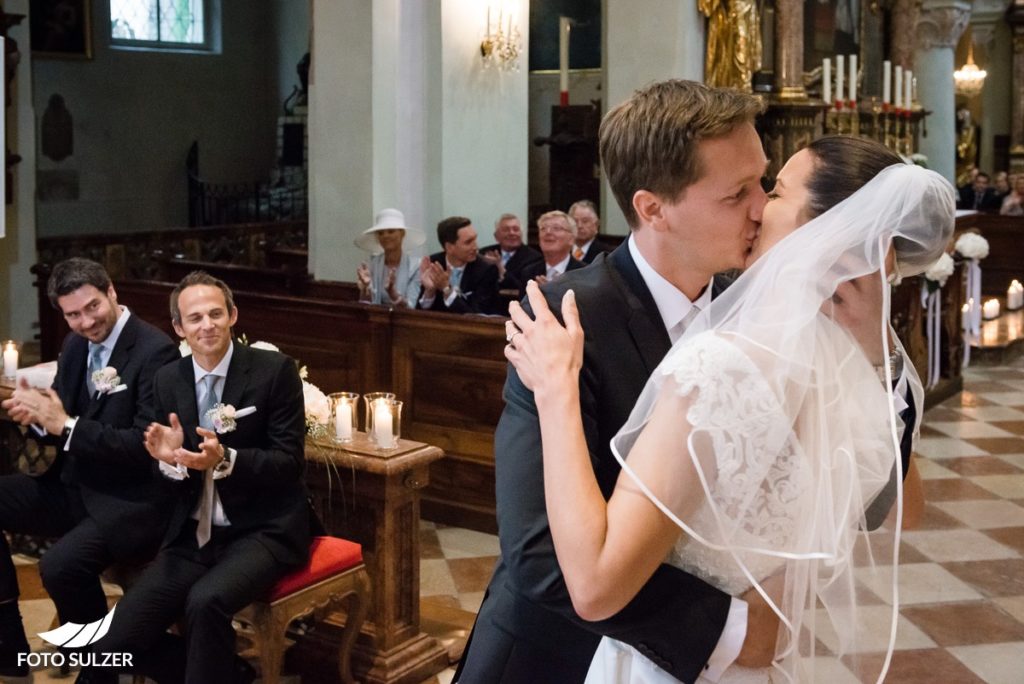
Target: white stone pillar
[[993, 52], [938, 29], [403, 115], [632, 58]]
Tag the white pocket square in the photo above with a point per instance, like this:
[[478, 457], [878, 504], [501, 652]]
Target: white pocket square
[[243, 412], [119, 388]]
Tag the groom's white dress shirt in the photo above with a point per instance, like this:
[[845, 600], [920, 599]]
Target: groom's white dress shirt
[[676, 313]]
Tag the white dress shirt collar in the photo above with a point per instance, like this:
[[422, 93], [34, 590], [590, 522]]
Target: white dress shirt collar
[[560, 266], [672, 304], [220, 370]]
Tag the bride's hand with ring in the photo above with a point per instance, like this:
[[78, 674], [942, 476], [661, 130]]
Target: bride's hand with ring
[[546, 354]]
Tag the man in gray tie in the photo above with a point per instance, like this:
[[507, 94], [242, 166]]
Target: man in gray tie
[[99, 496], [232, 441], [557, 237]]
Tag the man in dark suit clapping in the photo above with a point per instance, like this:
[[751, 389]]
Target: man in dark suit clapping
[[510, 256], [99, 496], [231, 439], [455, 280]]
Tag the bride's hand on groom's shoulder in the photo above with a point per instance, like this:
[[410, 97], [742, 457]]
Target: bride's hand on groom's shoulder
[[545, 353]]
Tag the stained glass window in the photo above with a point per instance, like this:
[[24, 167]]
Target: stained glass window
[[171, 22]]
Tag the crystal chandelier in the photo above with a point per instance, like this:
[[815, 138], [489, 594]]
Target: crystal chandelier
[[969, 78]]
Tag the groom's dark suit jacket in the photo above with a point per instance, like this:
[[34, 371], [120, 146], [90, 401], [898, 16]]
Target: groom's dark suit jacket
[[265, 494], [107, 462], [527, 630]]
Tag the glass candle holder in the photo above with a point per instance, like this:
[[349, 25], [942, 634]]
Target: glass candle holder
[[387, 422], [368, 400], [344, 414], [10, 359]]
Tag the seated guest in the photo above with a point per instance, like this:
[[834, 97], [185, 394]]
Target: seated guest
[[455, 280], [99, 496], [392, 276], [557, 237], [510, 256], [1013, 203], [978, 195], [1002, 187], [588, 246], [241, 519]]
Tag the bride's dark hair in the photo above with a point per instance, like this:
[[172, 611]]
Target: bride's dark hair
[[843, 165]]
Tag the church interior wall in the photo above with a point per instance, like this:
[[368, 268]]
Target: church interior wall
[[136, 112], [995, 105]]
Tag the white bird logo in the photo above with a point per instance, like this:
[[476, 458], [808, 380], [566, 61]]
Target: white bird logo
[[74, 635]]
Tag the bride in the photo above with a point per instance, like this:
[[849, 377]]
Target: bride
[[765, 436]]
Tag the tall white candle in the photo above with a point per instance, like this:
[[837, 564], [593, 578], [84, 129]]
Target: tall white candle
[[908, 88], [853, 78], [488, 34], [10, 360], [887, 82], [382, 424], [826, 81], [343, 420], [563, 59], [899, 87], [839, 78]]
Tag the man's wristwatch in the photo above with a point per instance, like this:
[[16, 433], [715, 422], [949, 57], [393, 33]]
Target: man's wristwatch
[[223, 464], [69, 425]]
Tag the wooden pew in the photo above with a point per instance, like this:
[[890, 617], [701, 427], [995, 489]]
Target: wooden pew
[[1005, 260]]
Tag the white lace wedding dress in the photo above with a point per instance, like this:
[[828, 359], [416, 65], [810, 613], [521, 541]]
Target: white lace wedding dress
[[733, 397]]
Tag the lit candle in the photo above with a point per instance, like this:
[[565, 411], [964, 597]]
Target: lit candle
[[488, 34], [382, 424], [839, 78], [990, 309], [563, 60], [10, 360], [343, 420], [886, 82], [1015, 296], [965, 316], [899, 86], [826, 81], [853, 78], [908, 87]]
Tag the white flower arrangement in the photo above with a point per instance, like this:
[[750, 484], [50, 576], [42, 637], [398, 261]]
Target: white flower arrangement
[[223, 417], [939, 272], [106, 380], [972, 246]]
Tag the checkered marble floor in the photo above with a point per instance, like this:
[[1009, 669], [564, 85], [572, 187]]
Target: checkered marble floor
[[962, 569]]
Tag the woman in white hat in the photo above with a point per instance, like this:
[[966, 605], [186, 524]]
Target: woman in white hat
[[392, 276]]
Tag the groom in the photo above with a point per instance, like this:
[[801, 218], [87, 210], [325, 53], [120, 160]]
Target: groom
[[685, 165]]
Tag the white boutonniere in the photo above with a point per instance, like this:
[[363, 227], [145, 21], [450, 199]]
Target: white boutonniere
[[107, 381], [224, 417]]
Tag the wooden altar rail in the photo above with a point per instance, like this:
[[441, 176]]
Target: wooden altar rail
[[1005, 260]]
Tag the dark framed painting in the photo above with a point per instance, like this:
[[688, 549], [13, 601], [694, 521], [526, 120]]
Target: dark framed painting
[[61, 28]]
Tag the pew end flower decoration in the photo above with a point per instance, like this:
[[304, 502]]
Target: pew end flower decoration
[[938, 273], [972, 246]]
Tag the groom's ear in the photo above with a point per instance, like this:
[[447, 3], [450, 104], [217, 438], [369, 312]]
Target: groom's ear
[[650, 209]]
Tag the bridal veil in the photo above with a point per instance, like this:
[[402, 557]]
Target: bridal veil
[[786, 433]]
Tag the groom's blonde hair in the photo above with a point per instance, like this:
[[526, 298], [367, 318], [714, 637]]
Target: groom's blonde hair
[[650, 141]]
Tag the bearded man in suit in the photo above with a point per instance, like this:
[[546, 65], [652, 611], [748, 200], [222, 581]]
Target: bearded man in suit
[[232, 441], [99, 496]]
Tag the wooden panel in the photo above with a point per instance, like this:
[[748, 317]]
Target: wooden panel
[[1005, 260]]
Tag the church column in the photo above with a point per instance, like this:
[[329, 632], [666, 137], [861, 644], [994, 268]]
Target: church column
[[632, 61], [994, 56], [789, 50], [938, 29], [1015, 16]]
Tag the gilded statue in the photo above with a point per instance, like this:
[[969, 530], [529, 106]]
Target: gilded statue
[[966, 146], [734, 42]]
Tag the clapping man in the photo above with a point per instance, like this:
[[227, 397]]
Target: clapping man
[[557, 236], [232, 435], [99, 496], [510, 256], [454, 279]]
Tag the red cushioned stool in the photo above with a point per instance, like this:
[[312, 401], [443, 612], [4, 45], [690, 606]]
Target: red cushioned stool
[[335, 573]]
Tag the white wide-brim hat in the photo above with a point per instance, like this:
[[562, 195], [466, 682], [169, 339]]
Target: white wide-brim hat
[[390, 219]]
